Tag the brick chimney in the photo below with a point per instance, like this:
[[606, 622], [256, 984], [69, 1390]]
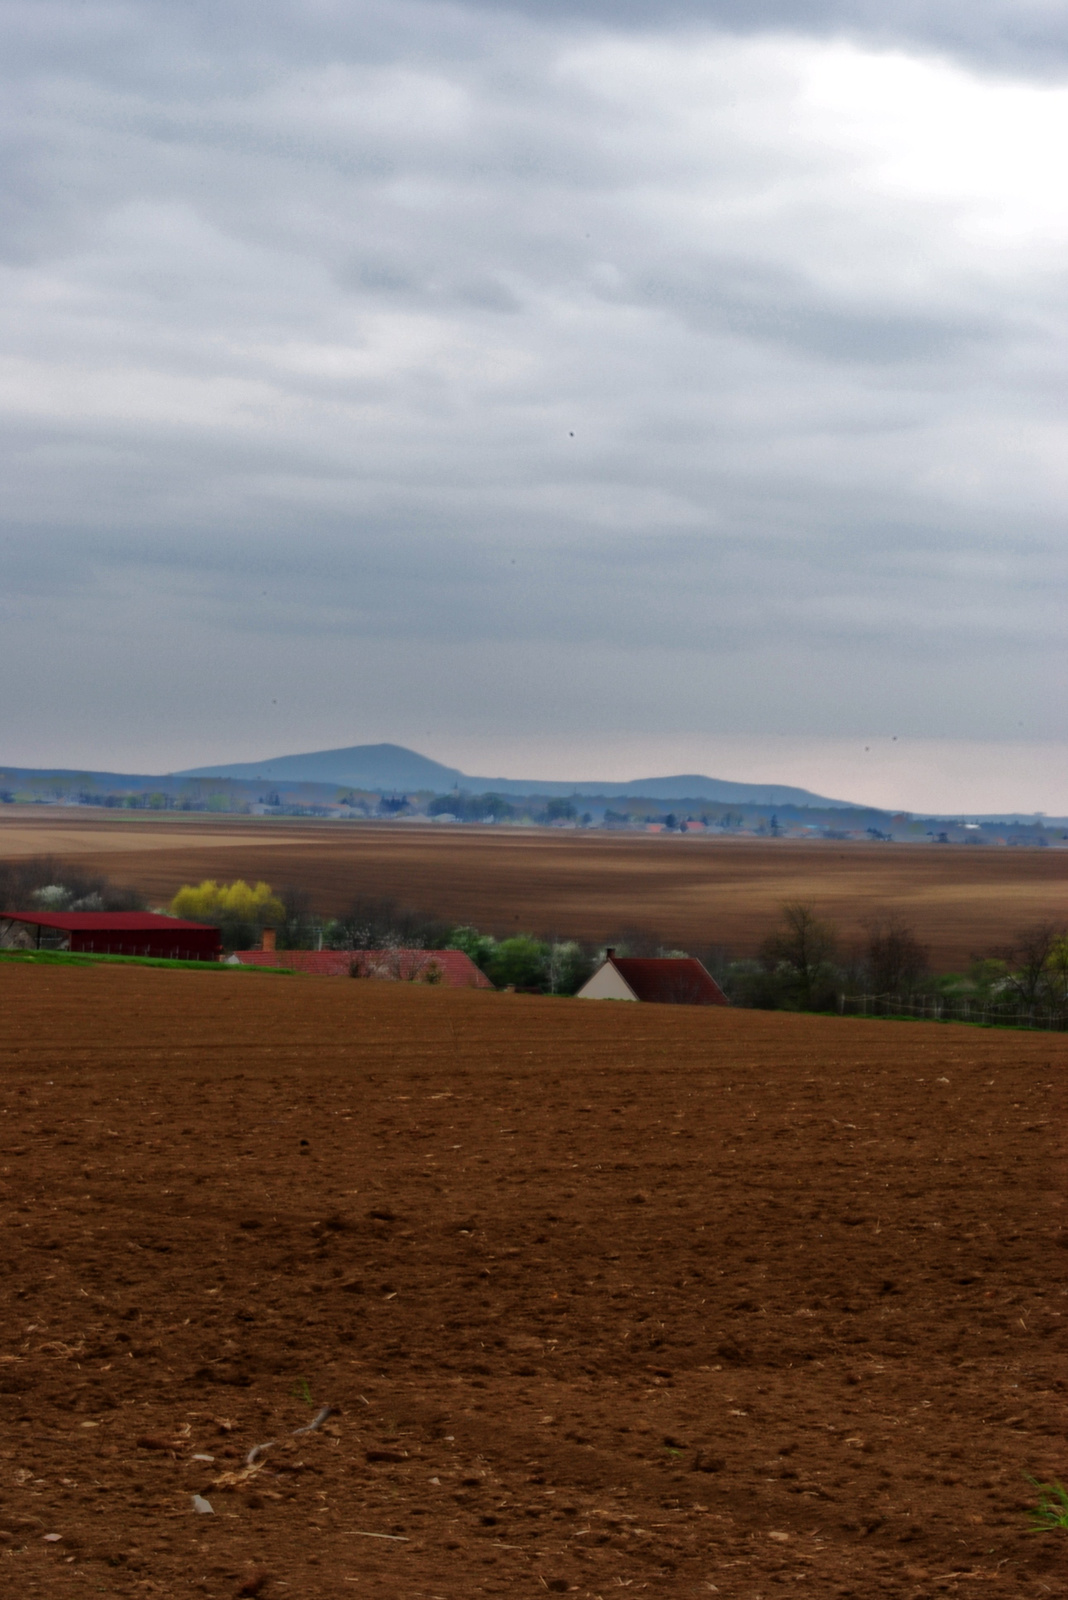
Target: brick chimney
[[610, 953], [268, 940]]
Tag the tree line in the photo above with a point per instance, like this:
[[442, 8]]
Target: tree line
[[805, 963], [41, 883]]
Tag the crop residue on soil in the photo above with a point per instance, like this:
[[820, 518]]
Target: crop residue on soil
[[608, 1298]]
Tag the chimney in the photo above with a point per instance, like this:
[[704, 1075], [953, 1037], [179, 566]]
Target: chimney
[[610, 953], [268, 940]]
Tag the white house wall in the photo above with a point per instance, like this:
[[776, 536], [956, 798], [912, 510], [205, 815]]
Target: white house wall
[[606, 984]]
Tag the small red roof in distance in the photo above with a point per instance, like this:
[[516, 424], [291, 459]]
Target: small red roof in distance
[[457, 970], [86, 921], [670, 980]]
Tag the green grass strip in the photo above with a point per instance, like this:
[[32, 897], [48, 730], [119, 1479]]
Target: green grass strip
[[943, 1022], [75, 958]]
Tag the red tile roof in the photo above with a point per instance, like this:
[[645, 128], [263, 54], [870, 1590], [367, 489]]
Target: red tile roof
[[457, 970], [670, 980], [101, 921]]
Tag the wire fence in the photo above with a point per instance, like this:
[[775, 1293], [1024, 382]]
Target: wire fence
[[940, 1008]]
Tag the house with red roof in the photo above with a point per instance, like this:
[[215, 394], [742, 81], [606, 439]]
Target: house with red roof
[[662, 980], [452, 968]]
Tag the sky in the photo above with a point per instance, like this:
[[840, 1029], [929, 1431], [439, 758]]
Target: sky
[[565, 390]]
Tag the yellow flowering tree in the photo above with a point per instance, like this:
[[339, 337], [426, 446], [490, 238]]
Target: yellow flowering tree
[[239, 910]]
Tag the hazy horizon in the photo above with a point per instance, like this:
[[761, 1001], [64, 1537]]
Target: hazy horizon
[[599, 389], [908, 775]]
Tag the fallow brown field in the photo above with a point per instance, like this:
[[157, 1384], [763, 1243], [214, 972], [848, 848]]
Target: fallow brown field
[[692, 892], [607, 1298]]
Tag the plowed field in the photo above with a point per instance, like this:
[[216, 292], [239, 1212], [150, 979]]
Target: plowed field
[[607, 1298], [690, 892]]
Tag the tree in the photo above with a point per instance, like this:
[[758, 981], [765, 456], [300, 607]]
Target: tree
[[379, 923], [496, 809], [239, 910], [1057, 977], [299, 927], [478, 946], [402, 966], [894, 959], [1028, 960], [471, 807], [371, 923], [568, 966], [987, 978], [43, 883], [751, 983], [802, 953], [520, 962]]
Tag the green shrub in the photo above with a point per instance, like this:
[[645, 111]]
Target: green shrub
[[521, 961]]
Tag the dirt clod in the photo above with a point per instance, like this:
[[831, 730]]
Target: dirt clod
[[255, 1583]]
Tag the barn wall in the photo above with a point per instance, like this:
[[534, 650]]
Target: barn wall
[[183, 945]]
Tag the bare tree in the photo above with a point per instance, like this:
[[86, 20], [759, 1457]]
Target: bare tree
[[1028, 959], [894, 959], [1056, 978], [381, 924], [299, 927], [803, 949], [397, 966], [23, 882]]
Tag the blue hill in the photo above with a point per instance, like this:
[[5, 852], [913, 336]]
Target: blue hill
[[391, 767]]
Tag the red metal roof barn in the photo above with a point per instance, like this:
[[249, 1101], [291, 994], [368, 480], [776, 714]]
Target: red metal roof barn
[[111, 933]]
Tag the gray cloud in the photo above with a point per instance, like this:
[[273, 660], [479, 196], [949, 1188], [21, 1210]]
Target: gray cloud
[[1007, 35], [539, 367]]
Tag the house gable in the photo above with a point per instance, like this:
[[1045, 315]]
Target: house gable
[[607, 983], [664, 980]]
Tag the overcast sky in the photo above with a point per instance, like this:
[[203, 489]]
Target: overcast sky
[[562, 389]]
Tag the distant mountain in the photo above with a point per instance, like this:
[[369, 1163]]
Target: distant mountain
[[309, 784], [67, 778], [361, 766], [392, 767], [687, 787]]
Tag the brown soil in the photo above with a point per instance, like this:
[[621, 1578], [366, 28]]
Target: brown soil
[[693, 892], [607, 1297]]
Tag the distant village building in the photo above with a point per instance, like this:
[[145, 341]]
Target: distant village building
[[110, 933], [664, 980]]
